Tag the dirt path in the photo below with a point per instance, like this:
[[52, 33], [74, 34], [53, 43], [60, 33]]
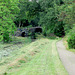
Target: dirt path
[[67, 58]]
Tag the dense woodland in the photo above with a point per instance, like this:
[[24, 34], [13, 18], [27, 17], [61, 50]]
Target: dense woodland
[[54, 16]]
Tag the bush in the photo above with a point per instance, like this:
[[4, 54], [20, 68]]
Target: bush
[[33, 36], [59, 30], [6, 37], [39, 35], [71, 39]]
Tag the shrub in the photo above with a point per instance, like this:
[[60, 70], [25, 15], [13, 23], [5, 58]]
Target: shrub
[[39, 35], [71, 39], [6, 37], [59, 30], [33, 36]]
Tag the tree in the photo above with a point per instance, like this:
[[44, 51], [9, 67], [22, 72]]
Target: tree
[[29, 13], [48, 20], [67, 15], [49, 16], [8, 11]]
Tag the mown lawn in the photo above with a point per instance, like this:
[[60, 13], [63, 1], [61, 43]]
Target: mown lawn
[[37, 58]]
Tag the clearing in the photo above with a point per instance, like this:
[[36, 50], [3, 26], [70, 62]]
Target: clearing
[[37, 58]]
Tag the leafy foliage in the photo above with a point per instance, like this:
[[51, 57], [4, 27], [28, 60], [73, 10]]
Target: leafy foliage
[[71, 38], [29, 12], [54, 16], [47, 20], [67, 15], [8, 11]]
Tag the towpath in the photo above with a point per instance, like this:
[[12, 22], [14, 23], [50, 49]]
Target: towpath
[[67, 58]]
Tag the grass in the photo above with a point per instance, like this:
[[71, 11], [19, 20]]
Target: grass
[[14, 46], [66, 45], [37, 58], [17, 42]]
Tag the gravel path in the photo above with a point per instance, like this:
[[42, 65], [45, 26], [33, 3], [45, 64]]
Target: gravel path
[[67, 58]]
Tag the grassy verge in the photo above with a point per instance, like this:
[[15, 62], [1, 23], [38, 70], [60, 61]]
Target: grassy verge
[[10, 51], [15, 41], [66, 44], [38, 58]]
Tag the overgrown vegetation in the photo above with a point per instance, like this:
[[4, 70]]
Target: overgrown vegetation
[[8, 12], [54, 16], [71, 38], [17, 54]]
